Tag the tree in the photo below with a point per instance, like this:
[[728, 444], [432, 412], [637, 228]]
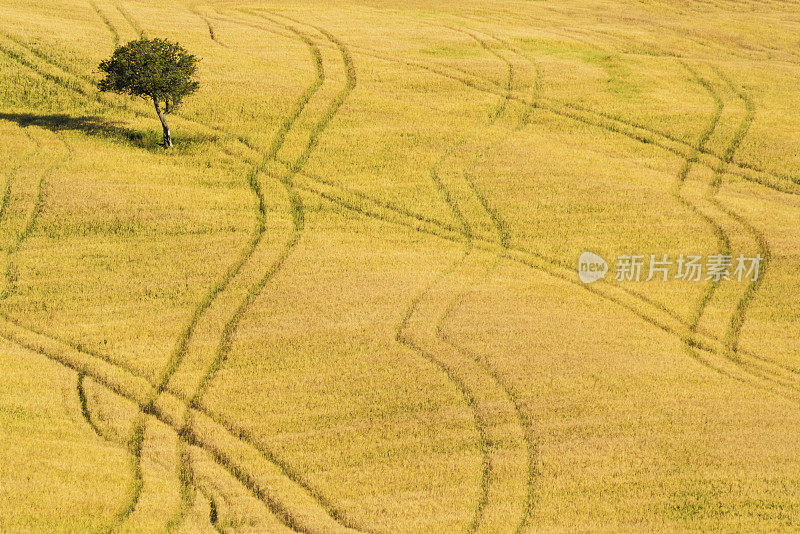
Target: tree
[[153, 69]]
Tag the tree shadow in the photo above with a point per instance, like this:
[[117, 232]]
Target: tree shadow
[[98, 127]]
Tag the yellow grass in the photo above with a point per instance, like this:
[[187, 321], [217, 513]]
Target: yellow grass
[[347, 301]]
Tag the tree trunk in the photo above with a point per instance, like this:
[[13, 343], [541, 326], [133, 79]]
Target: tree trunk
[[167, 134]]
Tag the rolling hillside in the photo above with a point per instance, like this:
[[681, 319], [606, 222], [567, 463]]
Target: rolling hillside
[[348, 300]]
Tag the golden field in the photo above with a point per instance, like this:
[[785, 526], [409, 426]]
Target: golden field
[[348, 299]]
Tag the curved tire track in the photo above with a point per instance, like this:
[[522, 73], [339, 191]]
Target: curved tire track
[[107, 22], [130, 20], [761, 370], [298, 219], [561, 271], [134, 446], [503, 239], [531, 261], [33, 217], [612, 124], [277, 142], [722, 236], [130, 382], [454, 368], [737, 319], [718, 230], [84, 404], [187, 484], [561, 265]]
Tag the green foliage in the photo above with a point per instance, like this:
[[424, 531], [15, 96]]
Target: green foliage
[[154, 69]]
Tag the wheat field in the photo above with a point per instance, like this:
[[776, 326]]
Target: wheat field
[[348, 300]]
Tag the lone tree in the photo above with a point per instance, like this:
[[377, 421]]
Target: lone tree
[[153, 69]]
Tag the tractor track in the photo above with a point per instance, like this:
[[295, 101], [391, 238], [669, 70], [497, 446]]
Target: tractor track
[[33, 218], [737, 319], [127, 385], [503, 239], [451, 368], [134, 446], [219, 456], [134, 449], [607, 121], [213, 514], [298, 215], [722, 236], [84, 404], [117, 388], [187, 484], [298, 218], [718, 230], [446, 367], [616, 124], [107, 22], [11, 175], [630, 122], [752, 369], [212, 33], [129, 19], [180, 352], [555, 263], [756, 369], [613, 124], [530, 260], [560, 271], [134, 443], [632, 292], [298, 222]]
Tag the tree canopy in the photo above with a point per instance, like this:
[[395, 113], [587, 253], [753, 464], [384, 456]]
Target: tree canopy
[[154, 69]]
